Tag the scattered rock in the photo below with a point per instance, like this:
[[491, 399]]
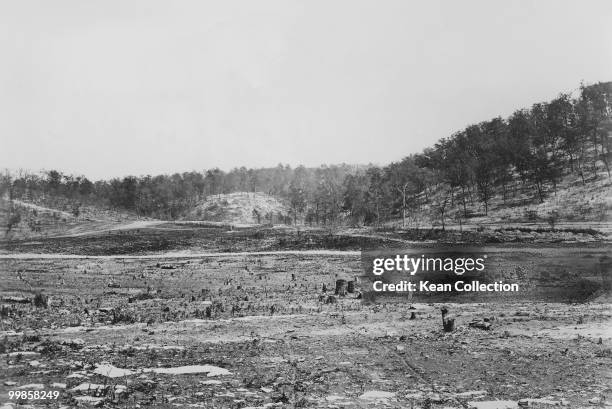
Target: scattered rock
[[17, 300], [84, 387], [484, 325], [23, 353], [435, 398], [415, 395], [540, 401], [210, 370], [74, 343], [494, 404], [111, 371], [90, 400], [167, 267], [377, 395], [211, 382], [32, 386], [470, 394], [595, 401], [79, 374]]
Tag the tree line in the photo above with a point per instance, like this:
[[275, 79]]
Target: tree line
[[532, 149]]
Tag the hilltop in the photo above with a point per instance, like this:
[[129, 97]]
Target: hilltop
[[240, 208]]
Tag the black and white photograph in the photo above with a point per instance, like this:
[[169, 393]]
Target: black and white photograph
[[260, 204]]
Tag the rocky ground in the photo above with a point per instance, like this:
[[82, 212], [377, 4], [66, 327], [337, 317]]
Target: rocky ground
[[370, 357], [256, 330]]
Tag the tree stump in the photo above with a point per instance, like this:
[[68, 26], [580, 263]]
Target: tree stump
[[350, 287], [340, 287], [448, 321], [331, 300]]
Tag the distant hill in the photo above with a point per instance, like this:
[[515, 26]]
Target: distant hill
[[240, 208], [543, 165]]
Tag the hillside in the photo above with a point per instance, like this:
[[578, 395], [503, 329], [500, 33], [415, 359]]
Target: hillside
[[545, 163], [32, 220], [240, 208], [573, 207]]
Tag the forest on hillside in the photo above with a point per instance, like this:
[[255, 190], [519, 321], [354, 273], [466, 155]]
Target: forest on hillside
[[534, 148]]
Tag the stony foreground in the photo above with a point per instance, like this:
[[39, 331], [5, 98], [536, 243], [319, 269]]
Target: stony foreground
[[126, 333]]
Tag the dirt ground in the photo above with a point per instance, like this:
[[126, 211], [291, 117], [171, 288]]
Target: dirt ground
[[258, 330]]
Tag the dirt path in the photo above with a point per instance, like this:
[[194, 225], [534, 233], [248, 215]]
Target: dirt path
[[41, 208], [188, 254], [34, 256], [139, 224]]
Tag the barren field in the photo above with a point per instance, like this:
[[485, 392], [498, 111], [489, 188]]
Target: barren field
[[181, 316]]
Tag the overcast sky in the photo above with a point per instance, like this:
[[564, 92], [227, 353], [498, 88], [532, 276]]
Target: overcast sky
[[109, 88]]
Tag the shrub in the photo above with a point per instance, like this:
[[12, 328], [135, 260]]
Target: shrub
[[7, 311], [123, 316], [13, 220], [41, 300], [585, 288], [140, 297], [368, 297]]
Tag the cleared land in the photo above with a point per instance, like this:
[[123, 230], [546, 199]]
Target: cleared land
[[149, 320]]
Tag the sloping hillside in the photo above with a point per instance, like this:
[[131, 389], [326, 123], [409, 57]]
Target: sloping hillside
[[24, 220], [240, 208], [574, 204]]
